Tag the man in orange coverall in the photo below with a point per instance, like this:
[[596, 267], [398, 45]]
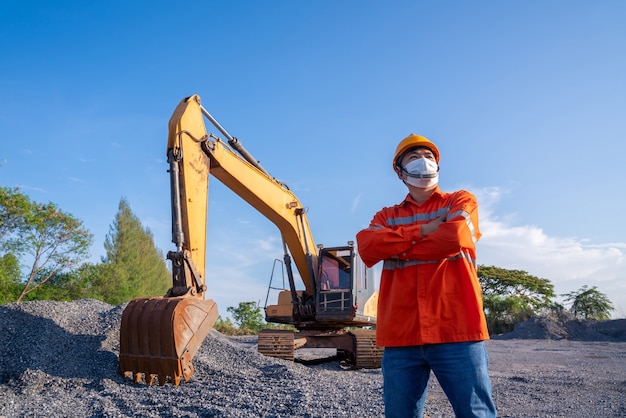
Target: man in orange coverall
[[430, 312]]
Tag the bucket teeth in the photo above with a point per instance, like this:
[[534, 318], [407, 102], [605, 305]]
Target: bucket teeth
[[160, 336]]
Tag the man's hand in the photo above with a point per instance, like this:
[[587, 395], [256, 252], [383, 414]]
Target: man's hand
[[430, 227]]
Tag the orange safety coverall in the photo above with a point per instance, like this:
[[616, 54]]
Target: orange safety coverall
[[429, 289]]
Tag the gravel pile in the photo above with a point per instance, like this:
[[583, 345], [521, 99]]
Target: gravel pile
[[576, 330], [59, 359]]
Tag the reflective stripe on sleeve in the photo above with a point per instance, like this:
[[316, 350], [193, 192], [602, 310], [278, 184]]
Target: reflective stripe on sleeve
[[468, 221]]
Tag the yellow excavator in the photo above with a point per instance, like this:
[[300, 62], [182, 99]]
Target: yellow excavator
[[336, 308]]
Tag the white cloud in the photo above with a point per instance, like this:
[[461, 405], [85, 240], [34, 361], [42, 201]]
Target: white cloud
[[32, 189], [568, 262], [355, 203]]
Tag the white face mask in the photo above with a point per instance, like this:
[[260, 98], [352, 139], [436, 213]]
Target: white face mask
[[422, 173]]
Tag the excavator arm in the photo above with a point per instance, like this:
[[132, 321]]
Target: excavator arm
[[160, 336]]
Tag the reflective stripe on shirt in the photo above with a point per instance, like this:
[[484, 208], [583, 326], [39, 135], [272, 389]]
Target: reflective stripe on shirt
[[400, 264]]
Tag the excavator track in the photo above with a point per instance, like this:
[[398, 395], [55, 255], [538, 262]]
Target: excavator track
[[277, 343], [367, 355]]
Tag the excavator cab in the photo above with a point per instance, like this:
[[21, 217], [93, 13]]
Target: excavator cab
[[344, 298], [346, 290]]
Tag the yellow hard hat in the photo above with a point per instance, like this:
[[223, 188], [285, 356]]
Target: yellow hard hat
[[413, 141]]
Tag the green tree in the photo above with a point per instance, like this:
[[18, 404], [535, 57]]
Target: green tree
[[69, 285], [247, 316], [51, 240], [589, 303], [133, 266], [92, 280], [10, 287], [226, 326], [512, 296], [14, 207]]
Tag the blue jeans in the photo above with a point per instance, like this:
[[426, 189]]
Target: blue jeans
[[460, 368]]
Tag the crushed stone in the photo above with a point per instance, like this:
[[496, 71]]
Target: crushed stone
[[59, 359]]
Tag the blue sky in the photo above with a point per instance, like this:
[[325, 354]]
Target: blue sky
[[526, 101]]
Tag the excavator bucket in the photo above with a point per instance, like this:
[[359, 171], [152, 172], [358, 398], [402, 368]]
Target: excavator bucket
[[160, 336]]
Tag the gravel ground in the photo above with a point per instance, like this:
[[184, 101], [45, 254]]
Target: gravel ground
[[59, 359]]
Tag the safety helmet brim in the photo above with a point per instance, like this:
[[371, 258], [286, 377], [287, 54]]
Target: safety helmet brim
[[413, 141]]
